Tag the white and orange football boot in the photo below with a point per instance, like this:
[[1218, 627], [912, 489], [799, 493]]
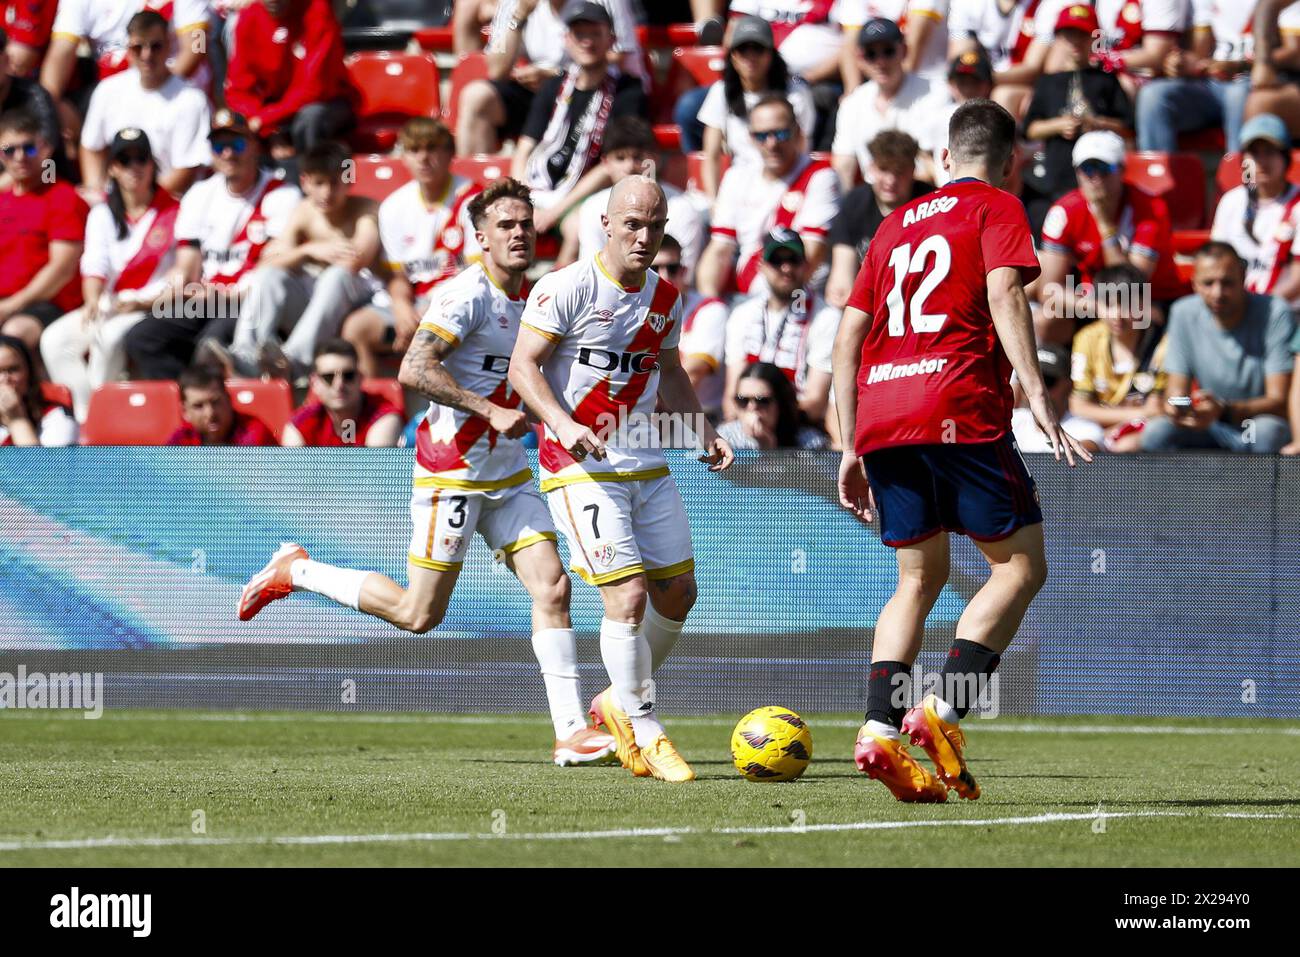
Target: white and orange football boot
[[944, 743], [619, 725], [271, 583], [587, 746], [888, 761]]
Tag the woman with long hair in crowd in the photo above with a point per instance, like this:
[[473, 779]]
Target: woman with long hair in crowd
[[27, 415], [129, 252], [769, 413]]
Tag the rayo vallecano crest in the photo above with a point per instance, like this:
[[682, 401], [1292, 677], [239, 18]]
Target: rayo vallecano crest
[[657, 321]]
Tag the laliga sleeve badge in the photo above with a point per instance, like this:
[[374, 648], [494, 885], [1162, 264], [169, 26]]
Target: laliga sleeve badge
[[452, 544], [604, 554]]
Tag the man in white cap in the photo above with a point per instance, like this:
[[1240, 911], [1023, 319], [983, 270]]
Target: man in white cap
[[1104, 222]]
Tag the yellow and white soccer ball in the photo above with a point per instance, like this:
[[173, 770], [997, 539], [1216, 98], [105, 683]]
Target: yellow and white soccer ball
[[771, 744]]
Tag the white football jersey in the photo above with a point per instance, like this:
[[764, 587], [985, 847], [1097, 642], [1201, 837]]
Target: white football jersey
[[605, 366], [428, 244], [231, 231], [1271, 243], [481, 320]]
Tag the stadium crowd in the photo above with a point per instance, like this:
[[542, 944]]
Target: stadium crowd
[[182, 198]]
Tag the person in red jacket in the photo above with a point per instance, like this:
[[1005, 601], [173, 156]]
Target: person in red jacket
[[286, 72], [210, 418]]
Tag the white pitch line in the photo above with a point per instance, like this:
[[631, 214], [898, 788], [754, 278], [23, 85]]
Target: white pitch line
[[977, 725], [429, 837]]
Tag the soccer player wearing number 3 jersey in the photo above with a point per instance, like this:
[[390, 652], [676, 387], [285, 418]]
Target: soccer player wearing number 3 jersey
[[935, 324], [470, 474], [597, 345]]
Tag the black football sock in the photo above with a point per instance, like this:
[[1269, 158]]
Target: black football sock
[[889, 692], [965, 674]]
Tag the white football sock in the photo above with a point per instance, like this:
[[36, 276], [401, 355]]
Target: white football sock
[[341, 584], [884, 730], [945, 711], [646, 728], [661, 634], [626, 654], [557, 655]]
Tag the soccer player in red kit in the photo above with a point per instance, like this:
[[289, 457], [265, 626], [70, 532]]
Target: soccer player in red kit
[[936, 323]]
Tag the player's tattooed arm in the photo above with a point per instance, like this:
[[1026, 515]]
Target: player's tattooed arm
[[423, 371]]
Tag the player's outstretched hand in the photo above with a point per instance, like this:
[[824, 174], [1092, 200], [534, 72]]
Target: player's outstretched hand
[[579, 441], [512, 423], [855, 492], [1057, 437], [718, 454]]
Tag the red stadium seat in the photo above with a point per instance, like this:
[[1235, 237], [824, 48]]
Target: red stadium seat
[[668, 136], [394, 87], [377, 176], [58, 394], [1205, 141], [690, 67], [481, 169], [695, 162], [682, 34], [472, 66], [1178, 178], [1187, 241], [133, 413], [389, 389], [272, 401], [436, 39]]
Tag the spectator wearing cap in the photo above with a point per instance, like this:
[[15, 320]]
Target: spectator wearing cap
[[314, 272], [286, 72], [629, 145], [174, 114], [1054, 361], [42, 228], [891, 182], [769, 415], [787, 325], [925, 23], [494, 110], [1074, 99], [130, 251], [889, 100], [210, 418], [338, 412], [1204, 86], [1261, 217], [29, 417], [427, 237], [809, 34], [1104, 222], [751, 69], [1117, 363], [970, 77], [789, 189], [1236, 346], [28, 96], [28, 23], [224, 224], [1017, 36], [557, 155]]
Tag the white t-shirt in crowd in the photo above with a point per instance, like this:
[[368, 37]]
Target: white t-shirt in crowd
[[794, 339], [175, 117], [686, 224], [1030, 438], [1156, 16], [716, 114], [704, 336], [1276, 234], [543, 43], [1230, 21], [214, 218], [103, 24], [995, 31], [409, 231], [105, 254], [933, 64], [56, 430], [808, 45], [912, 110]]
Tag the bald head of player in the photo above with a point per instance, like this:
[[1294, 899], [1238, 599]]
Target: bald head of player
[[981, 142], [634, 222]]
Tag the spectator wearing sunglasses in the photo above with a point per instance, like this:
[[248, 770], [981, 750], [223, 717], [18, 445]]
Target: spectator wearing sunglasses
[[789, 189], [630, 144], [890, 100], [787, 325], [768, 415], [148, 96], [42, 228], [1104, 222], [129, 252], [17, 93], [339, 412]]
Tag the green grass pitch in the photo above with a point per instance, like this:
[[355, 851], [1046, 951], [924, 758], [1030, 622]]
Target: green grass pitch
[[413, 789]]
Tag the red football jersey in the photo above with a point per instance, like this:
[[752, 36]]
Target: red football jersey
[[933, 370]]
